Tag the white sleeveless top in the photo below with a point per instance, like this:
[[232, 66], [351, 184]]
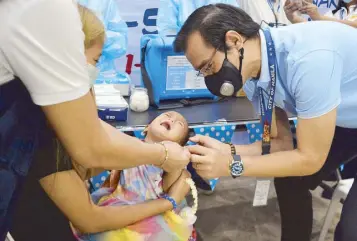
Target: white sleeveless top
[[41, 42]]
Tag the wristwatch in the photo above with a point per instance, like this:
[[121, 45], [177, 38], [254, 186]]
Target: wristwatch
[[236, 166]]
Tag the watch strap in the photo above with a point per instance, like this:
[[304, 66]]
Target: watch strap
[[233, 148]]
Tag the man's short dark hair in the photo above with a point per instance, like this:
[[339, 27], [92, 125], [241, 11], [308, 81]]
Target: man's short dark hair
[[213, 22]]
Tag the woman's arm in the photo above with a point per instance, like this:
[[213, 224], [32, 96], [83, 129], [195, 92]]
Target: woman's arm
[[312, 10], [69, 193], [327, 18], [96, 144], [93, 143], [55, 76]]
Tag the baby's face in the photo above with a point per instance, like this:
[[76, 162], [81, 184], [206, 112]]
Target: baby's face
[[169, 126]]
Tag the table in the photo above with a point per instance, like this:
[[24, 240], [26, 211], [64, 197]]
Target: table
[[234, 111]]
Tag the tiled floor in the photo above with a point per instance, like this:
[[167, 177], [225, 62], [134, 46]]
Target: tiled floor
[[228, 214]]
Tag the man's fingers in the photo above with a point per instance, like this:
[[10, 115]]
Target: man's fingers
[[200, 163], [198, 150], [199, 139], [196, 159], [195, 138], [201, 167]]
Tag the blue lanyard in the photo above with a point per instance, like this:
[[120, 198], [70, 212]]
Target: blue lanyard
[[272, 6], [267, 110]]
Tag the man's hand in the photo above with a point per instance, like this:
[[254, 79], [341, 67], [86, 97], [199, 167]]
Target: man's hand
[[211, 143], [178, 157], [210, 163]]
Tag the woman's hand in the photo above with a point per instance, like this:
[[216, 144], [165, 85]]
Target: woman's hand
[[291, 7], [180, 188], [211, 143], [210, 163], [178, 157], [311, 10]]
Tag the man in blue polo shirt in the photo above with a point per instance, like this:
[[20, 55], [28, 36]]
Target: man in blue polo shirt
[[302, 69]]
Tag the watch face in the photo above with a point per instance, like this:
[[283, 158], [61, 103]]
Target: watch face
[[237, 169]]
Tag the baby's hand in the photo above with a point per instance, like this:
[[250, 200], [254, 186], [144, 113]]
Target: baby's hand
[[114, 178]]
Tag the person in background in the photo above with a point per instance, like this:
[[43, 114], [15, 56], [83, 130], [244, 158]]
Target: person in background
[[173, 13], [116, 44], [346, 12], [268, 11]]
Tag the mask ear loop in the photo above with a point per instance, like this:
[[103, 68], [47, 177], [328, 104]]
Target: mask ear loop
[[241, 57], [225, 51]]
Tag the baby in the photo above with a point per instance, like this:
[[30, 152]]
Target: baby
[[143, 183]]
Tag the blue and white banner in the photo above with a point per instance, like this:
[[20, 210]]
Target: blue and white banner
[[140, 16], [326, 5]]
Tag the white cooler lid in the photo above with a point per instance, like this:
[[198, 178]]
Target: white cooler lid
[[106, 89], [111, 102]]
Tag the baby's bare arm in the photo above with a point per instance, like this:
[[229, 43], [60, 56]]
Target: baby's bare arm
[[169, 179]]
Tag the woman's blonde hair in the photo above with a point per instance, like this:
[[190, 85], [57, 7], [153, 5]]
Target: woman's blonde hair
[[92, 27]]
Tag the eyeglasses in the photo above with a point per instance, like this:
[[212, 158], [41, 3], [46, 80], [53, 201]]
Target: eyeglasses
[[207, 68]]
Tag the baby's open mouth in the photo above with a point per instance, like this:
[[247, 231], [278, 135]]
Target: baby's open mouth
[[166, 124]]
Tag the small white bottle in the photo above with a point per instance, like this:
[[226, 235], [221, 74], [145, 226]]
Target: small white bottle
[[139, 99]]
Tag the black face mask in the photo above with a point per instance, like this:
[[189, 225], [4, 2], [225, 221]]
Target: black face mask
[[228, 80]]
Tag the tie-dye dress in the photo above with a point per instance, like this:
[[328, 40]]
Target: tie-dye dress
[[137, 185]]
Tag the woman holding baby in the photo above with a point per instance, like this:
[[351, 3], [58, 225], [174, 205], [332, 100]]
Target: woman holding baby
[[45, 64]]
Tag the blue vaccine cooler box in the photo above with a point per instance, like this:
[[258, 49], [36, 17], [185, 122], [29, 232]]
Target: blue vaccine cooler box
[[168, 75]]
